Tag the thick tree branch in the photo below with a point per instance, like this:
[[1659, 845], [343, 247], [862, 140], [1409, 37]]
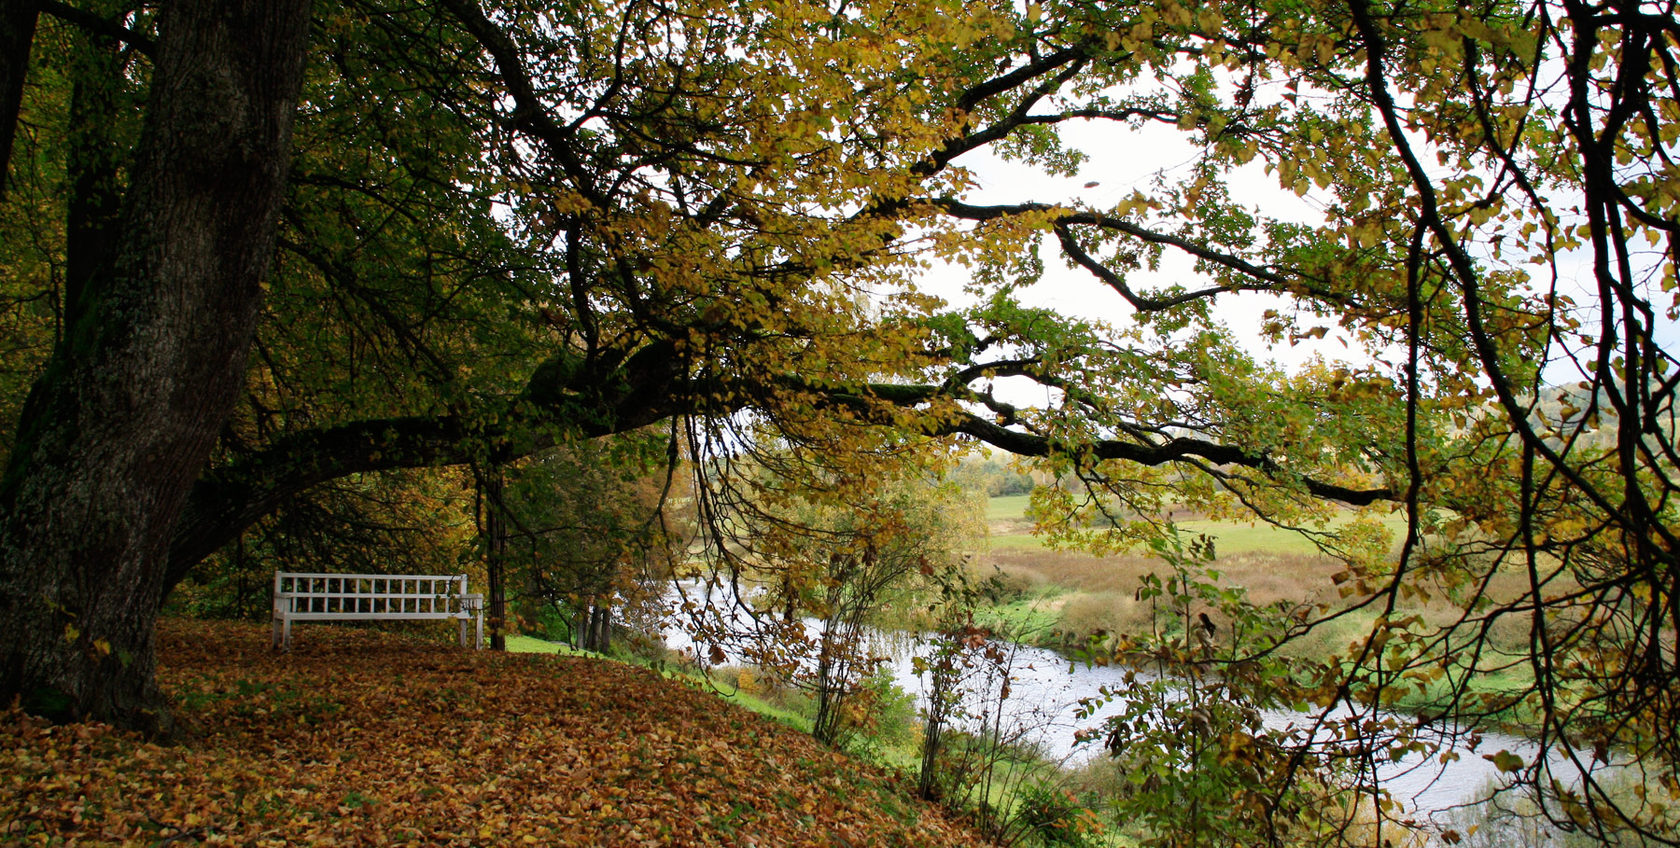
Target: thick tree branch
[[95, 24], [1062, 65], [1020, 443], [530, 114], [1267, 279], [563, 398], [1172, 450]]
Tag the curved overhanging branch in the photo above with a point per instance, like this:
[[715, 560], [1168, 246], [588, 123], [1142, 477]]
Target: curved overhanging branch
[[1050, 72], [1172, 450], [1266, 279], [1071, 246], [560, 401], [1176, 449], [228, 499]]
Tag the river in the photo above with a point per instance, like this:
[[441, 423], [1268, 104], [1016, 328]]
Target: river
[[1046, 690]]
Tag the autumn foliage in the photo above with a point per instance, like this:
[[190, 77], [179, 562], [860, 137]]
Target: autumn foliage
[[360, 737]]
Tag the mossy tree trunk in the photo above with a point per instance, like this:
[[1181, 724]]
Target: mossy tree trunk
[[118, 427]]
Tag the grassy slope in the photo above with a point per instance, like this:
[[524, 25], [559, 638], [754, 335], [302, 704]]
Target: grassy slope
[[359, 737]]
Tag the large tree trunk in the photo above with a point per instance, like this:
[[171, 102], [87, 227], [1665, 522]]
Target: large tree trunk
[[118, 427]]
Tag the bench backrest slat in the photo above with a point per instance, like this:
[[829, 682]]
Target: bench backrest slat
[[323, 597]]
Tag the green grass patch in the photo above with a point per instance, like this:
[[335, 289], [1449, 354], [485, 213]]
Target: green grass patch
[[786, 715], [1007, 508], [1031, 619], [1233, 537], [533, 645], [1016, 541], [1497, 684]]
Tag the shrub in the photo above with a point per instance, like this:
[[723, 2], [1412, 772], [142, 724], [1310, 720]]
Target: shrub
[[891, 711], [552, 623], [1053, 816]]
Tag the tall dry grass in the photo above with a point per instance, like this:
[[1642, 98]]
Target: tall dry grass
[[1267, 576], [1100, 593]]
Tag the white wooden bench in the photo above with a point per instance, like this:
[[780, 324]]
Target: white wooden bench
[[350, 597]]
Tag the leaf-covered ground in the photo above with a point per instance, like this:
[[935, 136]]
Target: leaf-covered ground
[[359, 737]]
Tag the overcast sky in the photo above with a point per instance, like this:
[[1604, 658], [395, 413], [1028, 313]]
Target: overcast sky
[[1122, 160]]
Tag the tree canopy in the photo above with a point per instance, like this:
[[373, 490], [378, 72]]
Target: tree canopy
[[493, 229]]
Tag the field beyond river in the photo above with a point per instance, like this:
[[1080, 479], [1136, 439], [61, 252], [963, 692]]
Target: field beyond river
[[1057, 598]]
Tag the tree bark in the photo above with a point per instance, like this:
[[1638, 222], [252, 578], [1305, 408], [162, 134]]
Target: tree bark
[[494, 528], [594, 629], [118, 427]]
